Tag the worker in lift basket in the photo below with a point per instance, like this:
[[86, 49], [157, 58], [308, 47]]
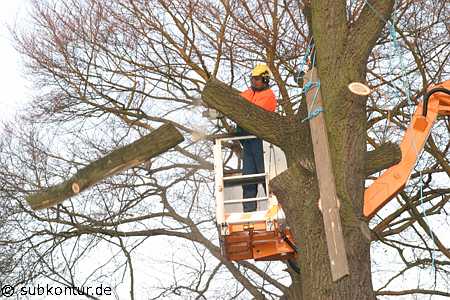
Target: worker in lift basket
[[253, 159]]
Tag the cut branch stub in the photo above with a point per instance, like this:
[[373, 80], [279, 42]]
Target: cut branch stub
[[264, 124], [151, 145], [383, 157]]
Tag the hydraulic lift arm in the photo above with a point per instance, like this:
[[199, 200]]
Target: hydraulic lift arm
[[384, 188]]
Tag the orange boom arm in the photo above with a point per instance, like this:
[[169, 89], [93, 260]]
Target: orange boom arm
[[384, 188]]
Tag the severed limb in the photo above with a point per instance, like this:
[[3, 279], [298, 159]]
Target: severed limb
[[151, 145]]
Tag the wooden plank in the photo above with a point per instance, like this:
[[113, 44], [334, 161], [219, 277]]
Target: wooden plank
[[329, 202]]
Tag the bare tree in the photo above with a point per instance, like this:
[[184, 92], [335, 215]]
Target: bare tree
[[109, 72]]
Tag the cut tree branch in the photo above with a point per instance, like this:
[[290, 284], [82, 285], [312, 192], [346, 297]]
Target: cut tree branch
[[151, 145]]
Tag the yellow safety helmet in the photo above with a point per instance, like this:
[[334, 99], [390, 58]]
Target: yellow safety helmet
[[261, 70]]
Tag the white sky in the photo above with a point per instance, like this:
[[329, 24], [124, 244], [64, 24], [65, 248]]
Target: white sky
[[12, 83]]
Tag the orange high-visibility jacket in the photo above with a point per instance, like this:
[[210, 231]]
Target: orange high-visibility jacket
[[265, 99]]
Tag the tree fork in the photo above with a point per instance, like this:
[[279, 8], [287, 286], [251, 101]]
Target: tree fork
[[151, 145], [225, 99]]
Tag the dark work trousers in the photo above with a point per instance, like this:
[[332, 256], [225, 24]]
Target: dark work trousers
[[253, 162]]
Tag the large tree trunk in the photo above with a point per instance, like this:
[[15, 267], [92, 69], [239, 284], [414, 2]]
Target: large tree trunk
[[297, 191], [342, 52]]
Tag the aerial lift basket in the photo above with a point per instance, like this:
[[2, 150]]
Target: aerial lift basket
[[259, 235]]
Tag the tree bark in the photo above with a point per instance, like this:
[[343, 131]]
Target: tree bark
[[342, 51], [383, 157], [252, 118], [151, 145]]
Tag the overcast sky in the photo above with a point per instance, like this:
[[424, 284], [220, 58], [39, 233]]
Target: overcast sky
[[12, 82]]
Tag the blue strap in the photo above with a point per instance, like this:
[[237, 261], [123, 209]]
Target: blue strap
[[309, 85], [314, 113], [394, 39]]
